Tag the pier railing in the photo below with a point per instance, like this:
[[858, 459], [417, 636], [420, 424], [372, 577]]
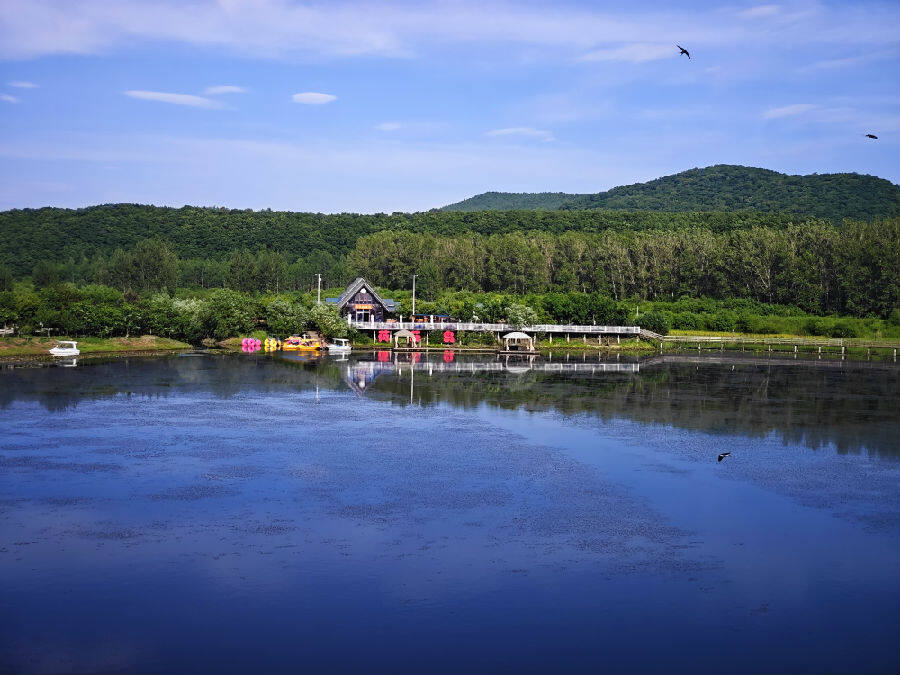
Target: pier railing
[[496, 327]]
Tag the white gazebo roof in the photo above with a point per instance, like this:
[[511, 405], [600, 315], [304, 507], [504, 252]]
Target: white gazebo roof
[[516, 335]]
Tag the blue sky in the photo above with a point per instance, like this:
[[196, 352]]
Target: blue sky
[[397, 106]]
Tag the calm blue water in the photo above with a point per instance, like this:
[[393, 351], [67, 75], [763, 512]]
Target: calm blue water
[[257, 514]]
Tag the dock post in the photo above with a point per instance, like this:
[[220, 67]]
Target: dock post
[[373, 336], [617, 339], [795, 349], [895, 353], [842, 352], [551, 338], [584, 339], [567, 337]]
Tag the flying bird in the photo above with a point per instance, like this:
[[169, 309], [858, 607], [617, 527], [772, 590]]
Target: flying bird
[[683, 51], [723, 455], [872, 136]]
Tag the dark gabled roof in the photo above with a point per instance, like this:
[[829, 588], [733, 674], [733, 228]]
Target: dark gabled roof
[[353, 289]]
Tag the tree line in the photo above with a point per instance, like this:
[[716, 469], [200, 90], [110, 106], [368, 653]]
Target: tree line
[[76, 238], [852, 269]]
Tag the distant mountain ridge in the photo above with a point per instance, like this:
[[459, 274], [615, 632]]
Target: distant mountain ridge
[[723, 187]]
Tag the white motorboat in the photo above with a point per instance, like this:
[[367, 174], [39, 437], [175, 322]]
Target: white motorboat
[[65, 348], [339, 346]]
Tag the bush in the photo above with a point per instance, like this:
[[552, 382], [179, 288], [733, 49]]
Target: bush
[[723, 320], [654, 321], [685, 321], [814, 326], [844, 329], [894, 317]]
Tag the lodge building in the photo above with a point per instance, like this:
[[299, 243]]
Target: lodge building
[[360, 302]]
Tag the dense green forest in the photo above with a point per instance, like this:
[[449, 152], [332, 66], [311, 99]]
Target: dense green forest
[[721, 188], [853, 269], [77, 236], [757, 280]]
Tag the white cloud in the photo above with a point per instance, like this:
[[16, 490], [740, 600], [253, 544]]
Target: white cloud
[[176, 99], [636, 52], [759, 11], [388, 126], [224, 89], [8, 98], [525, 132], [788, 110], [22, 84], [313, 98]]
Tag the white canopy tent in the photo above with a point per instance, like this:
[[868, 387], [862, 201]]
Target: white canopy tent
[[518, 341]]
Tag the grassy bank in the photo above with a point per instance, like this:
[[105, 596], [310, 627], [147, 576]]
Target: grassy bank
[[39, 346]]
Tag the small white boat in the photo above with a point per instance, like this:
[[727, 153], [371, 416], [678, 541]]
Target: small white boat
[[339, 346], [65, 348]]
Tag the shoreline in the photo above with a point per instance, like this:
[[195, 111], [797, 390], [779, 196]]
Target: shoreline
[[38, 348]]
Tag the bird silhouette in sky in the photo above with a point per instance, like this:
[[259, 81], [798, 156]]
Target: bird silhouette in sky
[[723, 455], [684, 51], [872, 136]]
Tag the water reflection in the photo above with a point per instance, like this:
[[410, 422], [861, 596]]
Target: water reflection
[[851, 405]]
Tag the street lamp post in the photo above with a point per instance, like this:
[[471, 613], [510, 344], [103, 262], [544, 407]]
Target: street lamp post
[[414, 296], [319, 291]]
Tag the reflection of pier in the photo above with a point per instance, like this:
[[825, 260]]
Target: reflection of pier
[[359, 375]]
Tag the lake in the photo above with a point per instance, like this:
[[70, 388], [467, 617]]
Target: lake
[[444, 513]]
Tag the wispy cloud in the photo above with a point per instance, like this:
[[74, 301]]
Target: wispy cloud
[[760, 11], [224, 89], [413, 127], [22, 84], [313, 98], [849, 61], [636, 52], [282, 29], [788, 110], [525, 132], [8, 99], [175, 99]]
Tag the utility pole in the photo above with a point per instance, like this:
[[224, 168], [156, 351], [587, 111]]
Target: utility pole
[[319, 292], [414, 294]]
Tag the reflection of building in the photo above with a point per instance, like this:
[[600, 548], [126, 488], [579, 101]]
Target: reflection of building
[[360, 302]]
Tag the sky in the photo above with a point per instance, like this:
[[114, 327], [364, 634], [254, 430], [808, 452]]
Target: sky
[[378, 106]]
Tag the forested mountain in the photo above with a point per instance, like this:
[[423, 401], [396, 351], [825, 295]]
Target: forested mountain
[[723, 188]]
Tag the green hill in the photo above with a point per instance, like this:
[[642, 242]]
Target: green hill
[[722, 188]]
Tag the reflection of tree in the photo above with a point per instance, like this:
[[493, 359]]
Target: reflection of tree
[[853, 407]]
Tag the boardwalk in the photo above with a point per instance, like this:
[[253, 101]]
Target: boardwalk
[[549, 328]]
